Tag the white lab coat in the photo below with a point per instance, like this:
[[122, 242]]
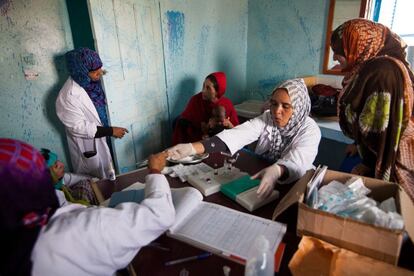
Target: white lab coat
[[77, 112], [297, 157], [97, 240]]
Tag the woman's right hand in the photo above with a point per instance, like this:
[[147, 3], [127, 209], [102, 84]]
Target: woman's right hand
[[351, 150], [157, 161], [119, 132], [181, 151]]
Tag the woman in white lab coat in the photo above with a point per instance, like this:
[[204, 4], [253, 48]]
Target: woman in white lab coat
[[286, 135], [38, 238], [81, 106]]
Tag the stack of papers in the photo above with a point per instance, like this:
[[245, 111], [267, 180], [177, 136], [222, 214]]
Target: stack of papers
[[313, 185]]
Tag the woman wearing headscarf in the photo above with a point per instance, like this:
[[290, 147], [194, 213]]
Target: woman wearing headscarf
[[376, 103], [286, 136], [81, 106], [38, 238], [70, 187], [189, 126]]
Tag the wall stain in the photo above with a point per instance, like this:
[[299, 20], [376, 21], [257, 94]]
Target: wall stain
[[267, 84], [202, 43], [305, 29], [5, 6], [270, 83], [175, 32]]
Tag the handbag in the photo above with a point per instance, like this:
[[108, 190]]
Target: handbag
[[324, 99]]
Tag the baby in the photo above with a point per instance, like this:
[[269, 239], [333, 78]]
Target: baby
[[217, 123]]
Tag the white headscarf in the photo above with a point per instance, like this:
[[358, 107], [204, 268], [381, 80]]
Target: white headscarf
[[301, 104]]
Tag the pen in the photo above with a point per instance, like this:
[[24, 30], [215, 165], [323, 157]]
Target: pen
[[197, 257]]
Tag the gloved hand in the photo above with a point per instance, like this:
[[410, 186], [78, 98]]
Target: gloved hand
[[180, 151], [268, 175]]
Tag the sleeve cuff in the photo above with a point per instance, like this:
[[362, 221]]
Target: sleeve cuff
[[154, 171], [214, 144], [103, 131], [156, 183]]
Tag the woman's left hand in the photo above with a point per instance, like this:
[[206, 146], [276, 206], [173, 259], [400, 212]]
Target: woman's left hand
[[268, 175]]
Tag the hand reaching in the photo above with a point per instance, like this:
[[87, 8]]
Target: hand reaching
[[119, 132], [157, 161], [180, 151], [268, 177]]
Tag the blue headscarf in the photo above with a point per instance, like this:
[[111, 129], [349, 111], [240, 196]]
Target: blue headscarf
[[80, 62], [51, 158]]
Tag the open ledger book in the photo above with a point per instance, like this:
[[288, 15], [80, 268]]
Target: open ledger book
[[213, 227]]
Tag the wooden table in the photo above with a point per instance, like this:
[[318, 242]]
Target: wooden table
[[150, 261]]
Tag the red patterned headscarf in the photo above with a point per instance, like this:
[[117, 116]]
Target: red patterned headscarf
[[376, 107], [27, 200], [360, 40]]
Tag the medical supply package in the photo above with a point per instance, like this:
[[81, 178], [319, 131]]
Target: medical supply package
[[366, 239]]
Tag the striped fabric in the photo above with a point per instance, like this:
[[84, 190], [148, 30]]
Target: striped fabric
[[282, 136], [376, 103]]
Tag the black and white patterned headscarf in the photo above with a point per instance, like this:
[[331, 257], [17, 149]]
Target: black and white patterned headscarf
[[282, 136]]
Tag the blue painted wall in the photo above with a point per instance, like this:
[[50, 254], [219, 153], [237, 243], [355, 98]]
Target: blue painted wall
[[34, 36], [285, 39], [201, 37], [128, 39], [257, 43]]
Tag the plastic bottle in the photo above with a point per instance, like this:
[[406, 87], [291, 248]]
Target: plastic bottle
[[261, 261], [111, 172]]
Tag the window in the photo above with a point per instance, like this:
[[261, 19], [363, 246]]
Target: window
[[398, 16]]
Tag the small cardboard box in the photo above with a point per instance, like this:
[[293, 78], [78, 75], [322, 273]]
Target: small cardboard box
[[377, 242]]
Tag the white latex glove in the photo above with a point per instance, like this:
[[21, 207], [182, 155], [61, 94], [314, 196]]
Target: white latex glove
[[268, 175], [180, 151]]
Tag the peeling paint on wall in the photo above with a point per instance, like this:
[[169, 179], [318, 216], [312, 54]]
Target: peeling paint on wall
[[285, 40], [202, 42], [305, 29], [214, 38], [5, 6], [128, 38], [33, 36], [175, 32]]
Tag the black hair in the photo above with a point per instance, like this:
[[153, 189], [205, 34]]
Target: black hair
[[45, 153], [336, 41], [213, 79]]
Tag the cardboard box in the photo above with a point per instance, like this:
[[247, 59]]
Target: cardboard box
[[366, 239], [332, 260]]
